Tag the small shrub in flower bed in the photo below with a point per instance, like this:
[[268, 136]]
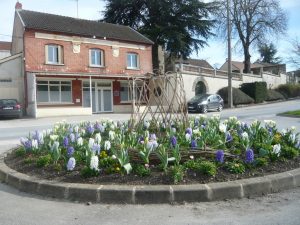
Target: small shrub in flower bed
[[205, 146]]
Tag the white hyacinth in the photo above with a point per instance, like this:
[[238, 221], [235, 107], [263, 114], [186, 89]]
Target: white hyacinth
[[270, 123], [76, 129], [188, 137], [277, 149], [293, 128], [34, 144], [111, 135], [98, 138], [107, 145], [91, 142], [222, 127], [53, 137], [284, 131], [245, 136], [80, 141], [94, 163]]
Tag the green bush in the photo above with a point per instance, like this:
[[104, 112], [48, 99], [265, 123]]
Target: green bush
[[141, 170], [44, 160], [261, 162], [20, 152], [239, 97], [256, 90], [207, 168], [235, 167], [273, 95], [177, 172], [87, 172], [289, 152], [289, 90]]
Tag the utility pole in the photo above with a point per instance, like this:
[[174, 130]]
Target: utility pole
[[230, 100], [77, 7]]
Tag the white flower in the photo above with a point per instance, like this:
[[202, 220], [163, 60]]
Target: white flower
[[277, 149], [293, 128], [54, 146], [111, 135], [191, 157], [284, 131], [232, 118], [173, 129], [76, 129], [91, 142], [80, 141], [114, 157], [107, 145], [98, 138], [34, 144], [293, 137], [222, 127], [245, 136], [146, 124], [152, 145], [94, 163], [196, 132], [71, 164], [270, 123], [53, 137], [83, 132], [188, 137]]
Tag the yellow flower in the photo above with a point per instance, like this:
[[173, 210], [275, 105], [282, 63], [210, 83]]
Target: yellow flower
[[117, 169]]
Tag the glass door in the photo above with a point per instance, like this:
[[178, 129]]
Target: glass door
[[104, 100]]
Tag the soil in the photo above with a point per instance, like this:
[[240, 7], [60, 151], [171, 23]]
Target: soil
[[156, 177]]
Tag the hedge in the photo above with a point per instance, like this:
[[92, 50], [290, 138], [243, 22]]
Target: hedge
[[289, 90], [256, 90], [273, 95], [239, 97]]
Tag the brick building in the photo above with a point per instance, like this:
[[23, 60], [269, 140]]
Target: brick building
[[76, 67]]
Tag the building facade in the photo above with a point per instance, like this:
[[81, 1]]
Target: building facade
[[77, 67]]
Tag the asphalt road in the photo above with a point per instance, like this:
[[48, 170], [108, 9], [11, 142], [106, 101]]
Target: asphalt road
[[18, 208]]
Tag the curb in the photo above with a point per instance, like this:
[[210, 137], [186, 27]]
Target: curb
[[149, 194]]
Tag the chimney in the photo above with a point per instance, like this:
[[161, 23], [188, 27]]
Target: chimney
[[18, 6]]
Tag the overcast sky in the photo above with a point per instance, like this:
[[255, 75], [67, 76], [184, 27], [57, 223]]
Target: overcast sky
[[215, 53]]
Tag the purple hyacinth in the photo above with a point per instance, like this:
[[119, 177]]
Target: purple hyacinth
[[229, 138], [70, 151], [173, 141], [249, 156], [96, 148], [90, 129], [72, 137], [66, 142], [70, 130], [220, 156], [194, 144], [189, 131], [26, 143], [71, 164], [152, 137]]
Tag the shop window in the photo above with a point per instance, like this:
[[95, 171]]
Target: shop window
[[54, 92]]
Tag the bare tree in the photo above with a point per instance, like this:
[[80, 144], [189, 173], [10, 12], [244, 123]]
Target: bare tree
[[295, 54], [253, 22]]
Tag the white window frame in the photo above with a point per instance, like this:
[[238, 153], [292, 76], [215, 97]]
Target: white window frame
[[58, 51], [131, 54], [59, 85], [129, 95], [91, 51]]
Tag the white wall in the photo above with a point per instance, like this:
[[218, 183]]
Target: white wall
[[10, 70], [4, 53]]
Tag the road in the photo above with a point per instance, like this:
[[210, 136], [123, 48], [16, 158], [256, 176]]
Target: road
[[18, 208]]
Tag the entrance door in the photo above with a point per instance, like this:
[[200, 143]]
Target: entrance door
[[104, 100]]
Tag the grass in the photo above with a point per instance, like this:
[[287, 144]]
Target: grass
[[295, 113]]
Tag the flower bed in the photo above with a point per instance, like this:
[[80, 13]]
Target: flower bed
[[114, 152]]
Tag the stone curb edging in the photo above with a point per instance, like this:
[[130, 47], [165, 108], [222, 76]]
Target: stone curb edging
[[152, 194]]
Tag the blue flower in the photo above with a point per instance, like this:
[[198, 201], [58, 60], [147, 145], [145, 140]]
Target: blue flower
[[249, 156], [229, 138], [220, 156], [194, 144], [90, 129], [70, 151], [71, 164], [26, 143], [189, 131], [96, 148], [66, 142], [173, 141]]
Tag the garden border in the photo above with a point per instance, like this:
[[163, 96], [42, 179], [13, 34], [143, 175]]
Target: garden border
[[149, 194]]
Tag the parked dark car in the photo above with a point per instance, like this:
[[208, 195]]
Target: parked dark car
[[10, 108], [205, 102]]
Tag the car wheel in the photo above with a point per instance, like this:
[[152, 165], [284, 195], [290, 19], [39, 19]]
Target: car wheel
[[204, 109], [220, 108]]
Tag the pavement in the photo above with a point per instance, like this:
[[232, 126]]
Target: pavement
[[20, 208]]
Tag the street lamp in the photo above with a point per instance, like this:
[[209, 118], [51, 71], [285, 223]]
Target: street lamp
[[229, 56]]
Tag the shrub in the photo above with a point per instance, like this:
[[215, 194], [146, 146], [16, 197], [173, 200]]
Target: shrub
[[43, 161], [261, 162], [87, 172], [273, 95], [141, 170], [256, 90], [289, 152], [239, 97], [235, 167], [207, 168], [289, 90], [177, 172], [20, 152]]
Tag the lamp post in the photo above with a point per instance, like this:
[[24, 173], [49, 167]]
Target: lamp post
[[229, 56]]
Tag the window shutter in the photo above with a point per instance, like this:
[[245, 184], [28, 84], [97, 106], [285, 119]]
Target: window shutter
[[46, 54], [60, 54]]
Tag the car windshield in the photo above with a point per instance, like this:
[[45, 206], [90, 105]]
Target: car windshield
[[8, 101], [199, 98]]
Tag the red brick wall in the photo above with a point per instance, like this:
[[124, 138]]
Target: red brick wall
[[77, 92], [79, 63]]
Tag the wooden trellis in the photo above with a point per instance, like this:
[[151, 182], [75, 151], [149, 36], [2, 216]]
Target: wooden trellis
[[158, 98]]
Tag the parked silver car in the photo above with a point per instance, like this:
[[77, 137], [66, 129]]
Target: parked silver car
[[205, 102]]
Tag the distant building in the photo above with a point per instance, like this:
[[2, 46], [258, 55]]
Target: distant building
[[294, 77], [5, 49]]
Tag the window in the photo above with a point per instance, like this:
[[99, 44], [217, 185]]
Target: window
[[132, 61], [54, 54], [54, 91], [96, 57], [126, 93]]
